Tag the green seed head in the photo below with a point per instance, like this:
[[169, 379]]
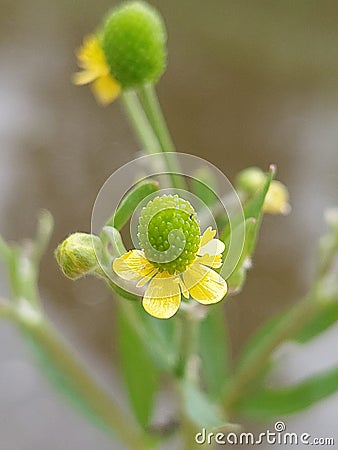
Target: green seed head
[[134, 43], [76, 255], [169, 233]]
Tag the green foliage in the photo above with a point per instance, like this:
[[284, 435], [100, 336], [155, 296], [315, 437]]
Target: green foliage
[[130, 202], [213, 350], [269, 403], [138, 371], [199, 408], [61, 380], [134, 42]]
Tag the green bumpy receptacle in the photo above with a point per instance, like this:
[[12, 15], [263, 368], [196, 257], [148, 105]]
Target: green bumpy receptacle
[[169, 233], [134, 43]]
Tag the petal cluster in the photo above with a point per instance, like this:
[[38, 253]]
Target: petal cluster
[[95, 70], [162, 297]]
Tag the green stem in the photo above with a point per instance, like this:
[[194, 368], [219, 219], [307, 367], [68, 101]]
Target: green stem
[[153, 110], [188, 348], [104, 407], [155, 116], [251, 366], [139, 122]]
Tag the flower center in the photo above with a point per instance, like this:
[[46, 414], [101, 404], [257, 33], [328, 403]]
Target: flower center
[[169, 233]]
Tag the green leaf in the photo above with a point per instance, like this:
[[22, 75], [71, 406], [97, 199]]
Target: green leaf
[[60, 379], [214, 351], [203, 186], [44, 232], [157, 336], [130, 202], [326, 316], [253, 209], [238, 276], [199, 408], [270, 403], [139, 373]]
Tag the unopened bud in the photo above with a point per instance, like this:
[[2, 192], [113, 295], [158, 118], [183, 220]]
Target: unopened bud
[[250, 180], [277, 199], [78, 255]]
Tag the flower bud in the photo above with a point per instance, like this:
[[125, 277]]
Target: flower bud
[[77, 255], [250, 180], [277, 199], [133, 40]]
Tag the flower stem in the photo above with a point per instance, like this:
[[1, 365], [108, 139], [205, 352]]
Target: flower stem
[[189, 340], [42, 333], [251, 366], [153, 110], [155, 116], [139, 122]]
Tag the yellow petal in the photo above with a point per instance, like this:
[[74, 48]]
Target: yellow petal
[[83, 77], [132, 266], [163, 297], [91, 56], [205, 285], [207, 236], [183, 287], [148, 277], [106, 89], [213, 247], [214, 261]]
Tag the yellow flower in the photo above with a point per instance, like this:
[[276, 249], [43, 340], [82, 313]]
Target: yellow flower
[[162, 297], [92, 61]]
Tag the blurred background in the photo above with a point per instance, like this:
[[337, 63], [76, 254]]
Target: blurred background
[[248, 83]]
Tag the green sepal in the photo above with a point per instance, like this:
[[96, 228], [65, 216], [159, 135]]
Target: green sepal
[[130, 202]]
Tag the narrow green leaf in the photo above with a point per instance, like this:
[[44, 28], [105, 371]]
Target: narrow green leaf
[[326, 316], [200, 409], [44, 232], [253, 209], [130, 203], [214, 351], [203, 186], [157, 336], [139, 373], [61, 381], [267, 404]]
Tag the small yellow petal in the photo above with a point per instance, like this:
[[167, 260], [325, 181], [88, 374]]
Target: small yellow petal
[[207, 236], [83, 77], [214, 261], [132, 266], [148, 277], [91, 56], [205, 285], [163, 297], [106, 89], [184, 289], [213, 247]]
